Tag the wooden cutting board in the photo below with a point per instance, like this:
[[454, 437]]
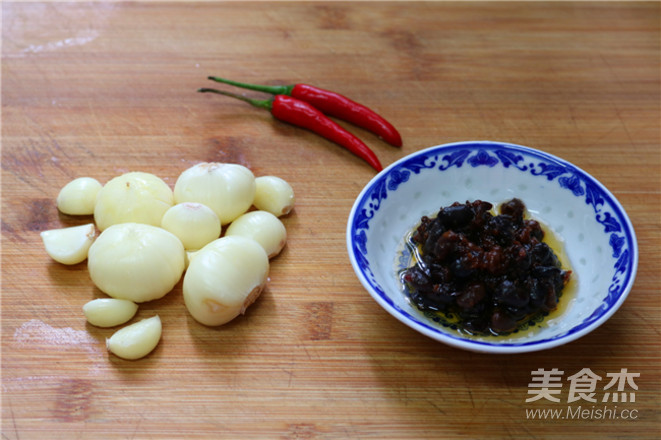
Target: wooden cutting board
[[98, 89]]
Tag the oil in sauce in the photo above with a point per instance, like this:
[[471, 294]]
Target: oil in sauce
[[409, 254]]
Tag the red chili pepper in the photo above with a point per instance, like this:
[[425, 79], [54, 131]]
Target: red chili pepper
[[302, 114], [332, 104]]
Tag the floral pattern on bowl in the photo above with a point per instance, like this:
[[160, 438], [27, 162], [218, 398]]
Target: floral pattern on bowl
[[597, 234]]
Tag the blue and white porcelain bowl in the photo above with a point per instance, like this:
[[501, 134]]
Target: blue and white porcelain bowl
[[594, 229]]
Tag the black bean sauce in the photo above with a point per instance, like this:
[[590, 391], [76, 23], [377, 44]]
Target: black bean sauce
[[492, 272]]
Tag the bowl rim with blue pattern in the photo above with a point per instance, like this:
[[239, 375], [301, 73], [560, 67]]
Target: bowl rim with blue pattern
[[598, 236]]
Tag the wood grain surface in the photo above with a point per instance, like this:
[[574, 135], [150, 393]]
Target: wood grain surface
[[98, 89]]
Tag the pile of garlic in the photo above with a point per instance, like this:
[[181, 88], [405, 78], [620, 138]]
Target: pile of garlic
[[151, 236]]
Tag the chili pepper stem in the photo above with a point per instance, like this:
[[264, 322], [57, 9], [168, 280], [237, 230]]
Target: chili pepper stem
[[275, 90], [261, 103], [304, 115]]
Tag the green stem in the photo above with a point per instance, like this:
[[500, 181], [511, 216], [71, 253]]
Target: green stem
[[261, 103], [275, 90]]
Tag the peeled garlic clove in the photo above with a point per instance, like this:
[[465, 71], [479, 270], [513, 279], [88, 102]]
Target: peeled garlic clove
[[274, 195], [228, 189], [189, 257], [134, 197], [136, 340], [194, 224], [135, 261], [224, 278], [78, 197], [263, 227], [69, 245], [109, 312]]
